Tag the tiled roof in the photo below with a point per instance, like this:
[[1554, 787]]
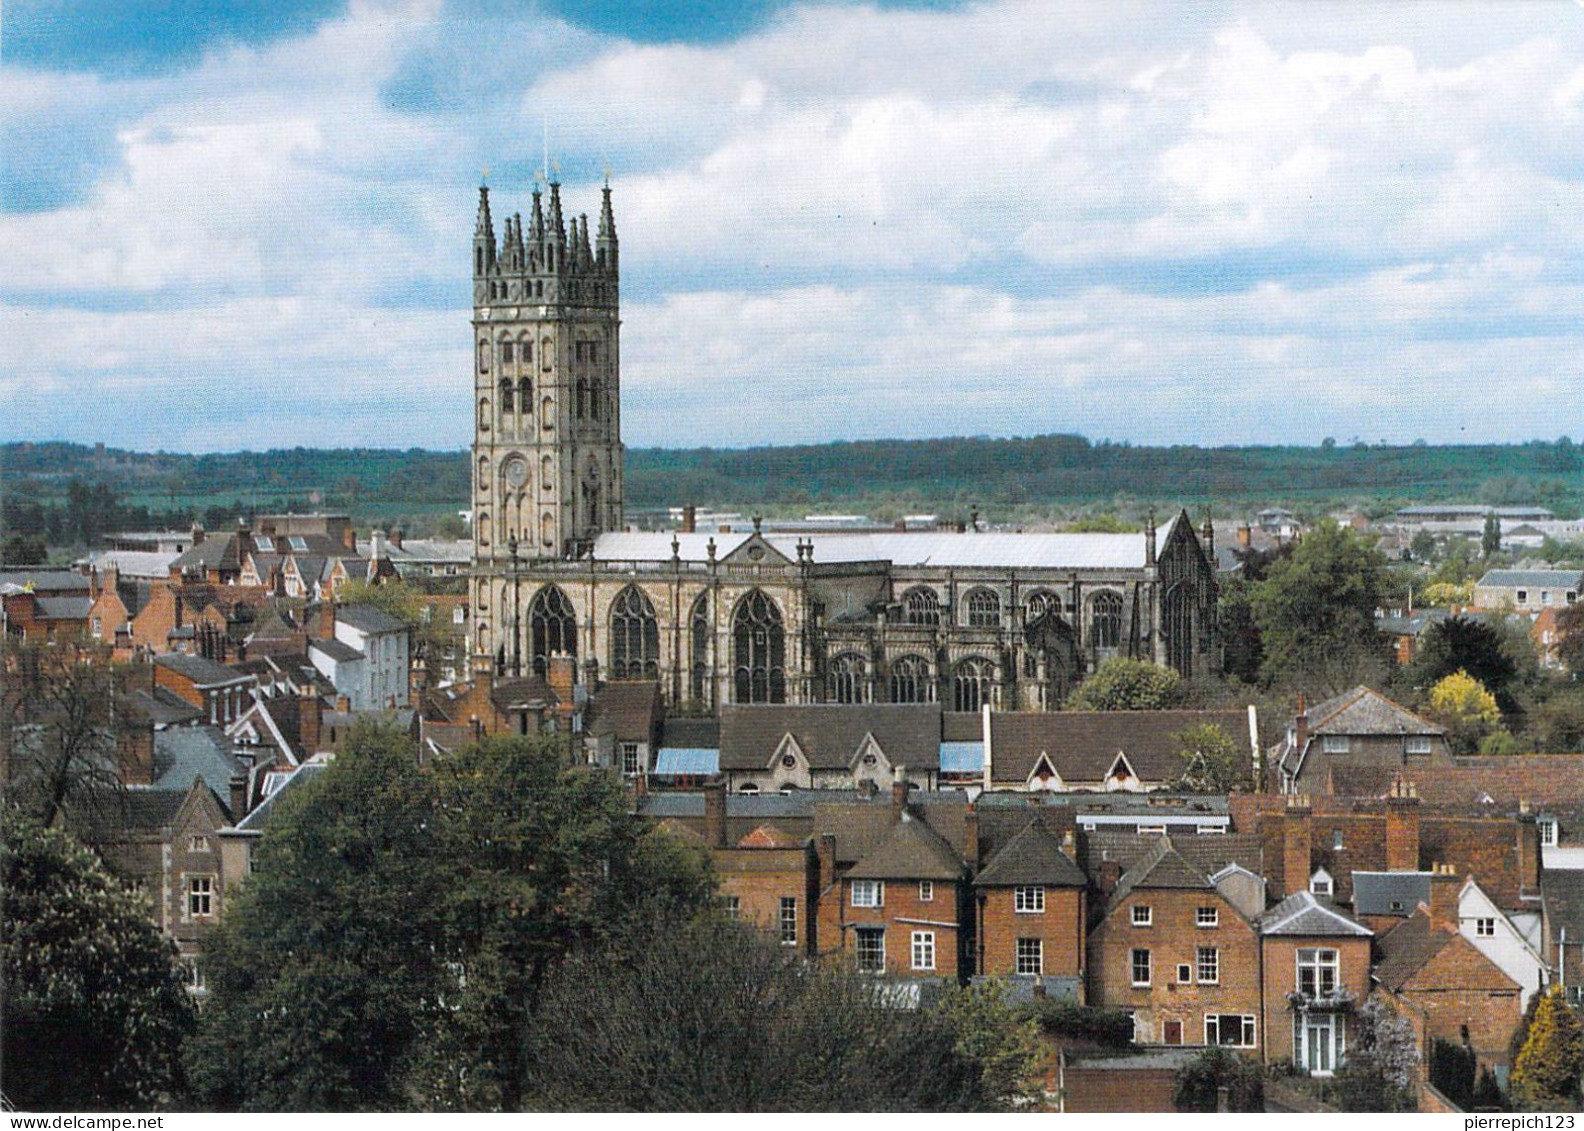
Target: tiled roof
[[1405, 949], [692, 734], [627, 709], [1531, 578], [1563, 892], [202, 672], [1206, 854], [337, 650], [186, 754], [962, 726], [1539, 779], [64, 608], [1363, 711], [1083, 745], [45, 580], [912, 851], [521, 691], [1161, 868], [829, 734], [217, 551], [367, 618], [1033, 856], [164, 707], [1304, 913], [258, 820], [768, 836], [1389, 893]]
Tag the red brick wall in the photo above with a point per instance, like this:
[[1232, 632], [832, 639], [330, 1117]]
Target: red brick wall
[[760, 878], [1060, 926], [1173, 938], [1281, 979], [1110, 1089], [1460, 987], [903, 913]]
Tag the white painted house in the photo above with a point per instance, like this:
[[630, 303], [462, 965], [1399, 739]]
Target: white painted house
[[367, 659], [1496, 937]]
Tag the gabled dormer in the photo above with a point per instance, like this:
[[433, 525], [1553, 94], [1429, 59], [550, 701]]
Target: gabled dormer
[[789, 765], [756, 550], [1044, 775], [869, 761], [1122, 777]]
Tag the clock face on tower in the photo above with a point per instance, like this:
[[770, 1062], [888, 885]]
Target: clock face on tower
[[516, 471]]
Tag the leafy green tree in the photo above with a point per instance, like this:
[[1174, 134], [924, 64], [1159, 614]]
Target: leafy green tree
[[1545, 1075], [1120, 684], [1557, 725], [1475, 647], [1423, 546], [1570, 637], [1316, 612], [1441, 594], [405, 602], [95, 1004], [1490, 537], [1200, 1081], [1466, 707], [1213, 762]]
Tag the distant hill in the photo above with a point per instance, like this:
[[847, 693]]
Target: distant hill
[[1012, 478]]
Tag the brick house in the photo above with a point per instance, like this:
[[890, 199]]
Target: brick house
[[1360, 728], [767, 877], [222, 692], [1031, 910], [1177, 955], [623, 726], [1446, 988], [1316, 969]]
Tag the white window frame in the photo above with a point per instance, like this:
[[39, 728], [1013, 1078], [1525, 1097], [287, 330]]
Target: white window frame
[[1318, 959], [1133, 966], [868, 893], [1028, 956], [1321, 883], [1207, 917], [200, 888], [1485, 927], [1029, 899], [1207, 958], [876, 958], [733, 906], [1417, 744], [1548, 831], [788, 924], [1334, 743], [1215, 1025], [923, 950], [628, 752], [1143, 915], [1335, 1025], [198, 844], [926, 891]]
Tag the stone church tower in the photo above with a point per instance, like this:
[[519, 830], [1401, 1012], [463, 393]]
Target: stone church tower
[[547, 453]]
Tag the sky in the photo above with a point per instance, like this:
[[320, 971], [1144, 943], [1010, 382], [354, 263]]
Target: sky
[[1197, 223]]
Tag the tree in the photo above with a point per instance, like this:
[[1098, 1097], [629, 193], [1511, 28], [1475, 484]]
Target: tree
[[1570, 637], [742, 1025], [1423, 546], [1557, 725], [1477, 648], [1381, 1070], [1444, 594], [94, 1002], [1452, 1071], [1316, 611], [1466, 707], [1490, 537], [1212, 760], [1199, 1082], [1545, 1075], [1120, 684]]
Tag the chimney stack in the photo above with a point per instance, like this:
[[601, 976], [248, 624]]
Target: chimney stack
[[825, 848], [1402, 827], [1296, 861], [971, 836], [1109, 875], [1528, 834], [1070, 845], [1445, 886], [396, 537], [239, 796], [561, 673], [899, 793], [1245, 536], [715, 813], [310, 723], [689, 519], [1301, 726], [349, 537]]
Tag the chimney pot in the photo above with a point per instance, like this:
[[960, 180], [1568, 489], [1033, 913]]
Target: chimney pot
[[899, 793]]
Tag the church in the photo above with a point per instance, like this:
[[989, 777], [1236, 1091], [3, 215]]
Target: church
[[1011, 621]]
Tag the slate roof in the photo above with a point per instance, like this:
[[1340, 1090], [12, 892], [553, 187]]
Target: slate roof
[[1304, 913], [45, 580], [367, 618], [521, 691], [63, 608], [1531, 579], [1033, 856], [829, 734], [1563, 895], [339, 651], [1363, 711], [627, 709], [258, 820], [691, 734], [1389, 893], [1206, 854], [912, 851], [1083, 745], [217, 551], [135, 563], [163, 707], [1162, 868], [186, 754], [202, 672]]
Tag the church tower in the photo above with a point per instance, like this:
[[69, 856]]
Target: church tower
[[547, 454]]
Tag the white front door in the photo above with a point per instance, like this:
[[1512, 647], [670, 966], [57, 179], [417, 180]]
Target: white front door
[[1318, 1038]]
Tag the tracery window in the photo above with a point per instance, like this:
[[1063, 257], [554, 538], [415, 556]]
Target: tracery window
[[758, 650], [921, 606], [910, 680], [845, 679], [984, 609], [700, 629], [1105, 620], [635, 636], [971, 683], [552, 628]]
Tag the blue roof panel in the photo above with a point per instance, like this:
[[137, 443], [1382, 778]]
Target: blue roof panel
[[961, 757], [686, 760]]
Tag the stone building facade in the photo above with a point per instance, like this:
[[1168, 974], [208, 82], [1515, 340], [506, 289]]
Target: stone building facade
[[1008, 620]]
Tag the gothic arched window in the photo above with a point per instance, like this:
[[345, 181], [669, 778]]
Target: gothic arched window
[[971, 683], [699, 630], [1105, 620], [1177, 624], [507, 352], [984, 609], [484, 352], [525, 397], [910, 680], [525, 349], [506, 395], [552, 628], [635, 636], [758, 650], [921, 606], [845, 680], [1040, 602], [582, 397]]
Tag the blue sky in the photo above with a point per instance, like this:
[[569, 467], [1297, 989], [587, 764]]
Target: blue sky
[[1160, 222]]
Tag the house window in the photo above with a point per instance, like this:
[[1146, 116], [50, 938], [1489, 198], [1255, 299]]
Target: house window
[[1184, 973], [195, 979], [1418, 744], [200, 894], [1548, 830], [923, 950], [1141, 967], [1317, 972], [1334, 743], [1209, 964], [629, 759], [1485, 928], [197, 844], [788, 920], [1523, 596], [870, 948], [1031, 956], [97, 630], [1336, 840], [868, 893], [926, 891], [1132, 1016], [1233, 1030], [1207, 917], [1028, 900], [1320, 883], [1143, 915], [733, 907]]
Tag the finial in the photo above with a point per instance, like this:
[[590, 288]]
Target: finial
[[711, 548], [484, 177], [758, 521]]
